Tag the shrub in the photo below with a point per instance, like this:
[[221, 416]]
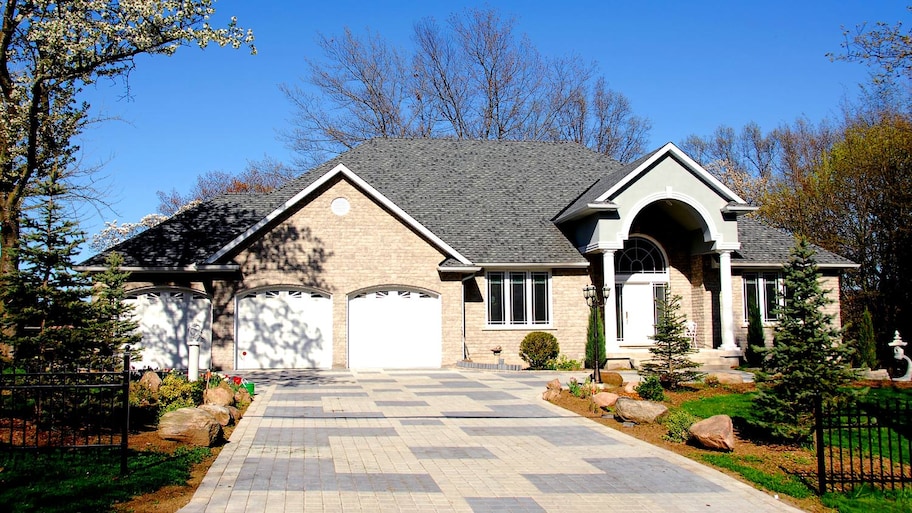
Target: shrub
[[563, 363], [651, 389], [538, 349], [574, 387], [177, 392], [753, 353], [678, 423]]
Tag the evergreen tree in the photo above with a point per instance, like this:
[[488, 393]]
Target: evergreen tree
[[46, 310], [595, 338], [670, 362], [755, 339], [113, 326], [806, 360], [866, 345]]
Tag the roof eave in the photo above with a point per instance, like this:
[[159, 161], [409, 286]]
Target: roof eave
[[590, 208], [193, 268], [779, 265]]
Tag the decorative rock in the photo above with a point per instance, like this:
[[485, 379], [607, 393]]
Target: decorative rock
[[612, 378], [221, 413], [726, 378], [879, 374], [630, 387], [235, 413], [220, 396], [554, 384], [150, 380], [550, 394], [242, 396], [641, 412], [604, 399], [190, 426], [715, 432]]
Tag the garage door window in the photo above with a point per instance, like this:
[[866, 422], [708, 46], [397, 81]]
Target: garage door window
[[519, 298]]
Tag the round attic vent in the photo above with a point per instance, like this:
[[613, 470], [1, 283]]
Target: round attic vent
[[340, 206]]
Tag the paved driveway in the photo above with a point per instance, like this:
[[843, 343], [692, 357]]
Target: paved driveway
[[449, 440]]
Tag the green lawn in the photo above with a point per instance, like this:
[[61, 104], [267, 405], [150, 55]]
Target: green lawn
[[87, 482]]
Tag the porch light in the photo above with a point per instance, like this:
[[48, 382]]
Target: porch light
[[606, 292], [591, 295]]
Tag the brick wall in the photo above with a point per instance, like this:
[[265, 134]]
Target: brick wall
[[314, 248]]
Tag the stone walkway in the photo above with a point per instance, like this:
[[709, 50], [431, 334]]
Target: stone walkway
[[449, 440]]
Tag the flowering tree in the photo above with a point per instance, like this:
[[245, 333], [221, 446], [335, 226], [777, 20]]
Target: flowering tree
[[48, 51]]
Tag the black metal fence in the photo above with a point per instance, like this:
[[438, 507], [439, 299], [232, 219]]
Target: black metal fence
[[864, 442], [45, 406]]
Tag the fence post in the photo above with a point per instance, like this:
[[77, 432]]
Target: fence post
[[818, 433], [125, 428]]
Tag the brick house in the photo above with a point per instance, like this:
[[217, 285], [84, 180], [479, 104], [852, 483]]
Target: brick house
[[423, 253]]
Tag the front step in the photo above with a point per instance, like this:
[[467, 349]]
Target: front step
[[632, 358]]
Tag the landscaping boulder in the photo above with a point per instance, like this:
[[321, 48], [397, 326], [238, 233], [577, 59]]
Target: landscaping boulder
[[640, 412], [604, 399], [191, 426], [222, 414], [219, 396], [726, 378], [242, 396], [715, 432], [150, 380], [879, 374], [553, 391], [235, 413], [612, 379], [630, 387]]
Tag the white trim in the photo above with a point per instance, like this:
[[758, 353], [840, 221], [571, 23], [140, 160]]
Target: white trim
[[358, 181], [193, 268], [710, 234], [781, 265], [533, 266], [697, 169], [458, 269], [601, 246]]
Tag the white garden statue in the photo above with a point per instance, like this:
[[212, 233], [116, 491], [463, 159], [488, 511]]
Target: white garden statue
[[898, 354]]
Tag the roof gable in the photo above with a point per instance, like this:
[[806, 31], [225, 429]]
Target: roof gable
[[339, 169]]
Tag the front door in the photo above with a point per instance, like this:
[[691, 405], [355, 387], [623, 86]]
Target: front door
[[637, 313]]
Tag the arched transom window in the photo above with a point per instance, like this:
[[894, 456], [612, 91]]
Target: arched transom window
[[639, 255]]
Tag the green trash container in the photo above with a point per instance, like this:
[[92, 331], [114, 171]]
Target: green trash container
[[250, 388]]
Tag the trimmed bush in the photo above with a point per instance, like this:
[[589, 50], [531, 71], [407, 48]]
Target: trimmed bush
[[651, 389], [678, 423], [538, 349], [177, 392]]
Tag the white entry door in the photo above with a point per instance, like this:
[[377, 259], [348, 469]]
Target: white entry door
[[394, 329], [284, 329], [637, 313]]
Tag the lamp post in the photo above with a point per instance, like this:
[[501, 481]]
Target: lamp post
[[592, 299], [193, 343]]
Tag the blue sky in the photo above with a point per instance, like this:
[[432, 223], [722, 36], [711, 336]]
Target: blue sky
[[688, 66]]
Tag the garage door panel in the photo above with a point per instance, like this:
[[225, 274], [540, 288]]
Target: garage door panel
[[284, 329], [165, 319], [394, 329]]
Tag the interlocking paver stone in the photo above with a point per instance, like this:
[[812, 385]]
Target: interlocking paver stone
[[444, 441]]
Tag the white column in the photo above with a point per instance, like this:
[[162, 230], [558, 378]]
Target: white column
[[725, 298], [611, 339]]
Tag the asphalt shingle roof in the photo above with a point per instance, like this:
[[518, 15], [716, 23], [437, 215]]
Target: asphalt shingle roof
[[492, 201], [762, 244]]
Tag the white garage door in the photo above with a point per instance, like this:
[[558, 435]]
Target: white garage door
[[167, 319], [394, 329], [284, 329]]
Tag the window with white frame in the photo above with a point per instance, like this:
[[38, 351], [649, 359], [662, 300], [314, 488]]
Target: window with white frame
[[765, 291], [519, 298]]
